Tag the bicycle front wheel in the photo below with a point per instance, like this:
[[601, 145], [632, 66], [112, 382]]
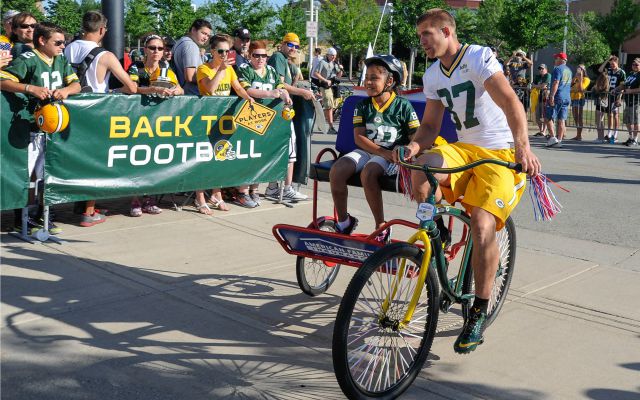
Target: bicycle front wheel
[[506, 238], [375, 354]]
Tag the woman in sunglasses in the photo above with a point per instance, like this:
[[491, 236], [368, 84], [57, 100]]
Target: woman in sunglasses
[[216, 78], [23, 27], [153, 75]]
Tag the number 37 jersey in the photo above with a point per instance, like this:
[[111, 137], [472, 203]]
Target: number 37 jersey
[[460, 88]]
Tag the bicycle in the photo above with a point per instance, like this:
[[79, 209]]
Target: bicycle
[[388, 316]]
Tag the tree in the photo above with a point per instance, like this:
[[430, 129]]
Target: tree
[[348, 22], [255, 15], [487, 23], [291, 18], [66, 14], [138, 18], [585, 44], [404, 27], [174, 16], [89, 5], [22, 5], [532, 24], [466, 25], [620, 24]]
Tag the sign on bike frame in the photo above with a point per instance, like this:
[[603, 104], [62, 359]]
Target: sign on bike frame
[[425, 212]]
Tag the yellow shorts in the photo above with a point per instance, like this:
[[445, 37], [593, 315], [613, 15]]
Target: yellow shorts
[[491, 187]]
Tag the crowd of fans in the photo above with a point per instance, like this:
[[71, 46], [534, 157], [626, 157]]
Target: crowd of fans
[[34, 53], [552, 94]]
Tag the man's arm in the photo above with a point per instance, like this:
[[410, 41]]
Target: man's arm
[[427, 131], [554, 89], [508, 101], [17, 87], [602, 66], [190, 75], [112, 64]]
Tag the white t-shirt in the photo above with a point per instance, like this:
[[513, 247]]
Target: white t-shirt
[[76, 52], [477, 117]]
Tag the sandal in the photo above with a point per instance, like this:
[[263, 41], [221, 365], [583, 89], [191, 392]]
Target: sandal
[[203, 208], [218, 204]]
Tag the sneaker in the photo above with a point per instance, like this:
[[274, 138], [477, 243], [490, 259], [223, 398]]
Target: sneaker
[[384, 237], [353, 223], [559, 144], [53, 228], [471, 335], [32, 226], [272, 192], [291, 194], [633, 143], [612, 140], [255, 196], [136, 209], [606, 139], [245, 200], [553, 141], [149, 206], [91, 220]]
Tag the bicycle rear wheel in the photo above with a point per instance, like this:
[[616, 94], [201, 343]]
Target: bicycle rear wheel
[[374, 354], [316, 276], [506, 238]]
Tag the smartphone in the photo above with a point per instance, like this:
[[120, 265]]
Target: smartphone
[[231, 57]]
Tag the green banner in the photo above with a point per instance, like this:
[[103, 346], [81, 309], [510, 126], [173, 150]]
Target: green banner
[[118, 145], [15, 128]]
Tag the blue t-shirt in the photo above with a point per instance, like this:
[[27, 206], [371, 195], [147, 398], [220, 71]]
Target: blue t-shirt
[[563, 75]]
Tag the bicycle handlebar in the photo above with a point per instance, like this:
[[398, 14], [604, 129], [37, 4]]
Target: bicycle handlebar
[[434, 170]]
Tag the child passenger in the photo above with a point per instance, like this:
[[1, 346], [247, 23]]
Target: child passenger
[[380, 123]]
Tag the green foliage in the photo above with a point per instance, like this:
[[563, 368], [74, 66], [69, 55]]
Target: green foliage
[[585, 45], [291, 18], [175, 16], [404, 20], [466, 25], [620, 24], [532, 24], [487, 23], [255, 15], [66, 14], [22, 5], [89, 5], [349, 23], [139, 19]]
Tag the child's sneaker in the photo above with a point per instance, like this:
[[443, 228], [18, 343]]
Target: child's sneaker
[[245, 200], [32, 226], [136, 209], [53, 228], [91, 220], [384, 237], [149, 206], [353, 223]]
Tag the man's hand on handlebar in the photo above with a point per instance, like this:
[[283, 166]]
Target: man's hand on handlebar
[[530, 163], [409, 151]]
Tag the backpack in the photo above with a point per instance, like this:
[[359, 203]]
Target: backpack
[[82, 68]]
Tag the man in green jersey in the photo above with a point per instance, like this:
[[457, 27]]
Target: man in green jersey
[[41, 74]]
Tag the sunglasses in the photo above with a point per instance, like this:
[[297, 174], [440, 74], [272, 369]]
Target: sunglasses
[[155, 48], [222, 51], [58, 43], [27, 26], [259, 55], [293, 46]]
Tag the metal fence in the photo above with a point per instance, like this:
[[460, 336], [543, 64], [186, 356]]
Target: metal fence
[[594, 111]]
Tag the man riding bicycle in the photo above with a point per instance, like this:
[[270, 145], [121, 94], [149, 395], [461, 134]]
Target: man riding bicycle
[[469, 82]]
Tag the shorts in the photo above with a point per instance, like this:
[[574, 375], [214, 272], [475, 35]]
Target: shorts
[[631, 115], [362, 158], [292, 145], [491, 187], [559, 111], [578, 102], [35, 153], [328, 101]]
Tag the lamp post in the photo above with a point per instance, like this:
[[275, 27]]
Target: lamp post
[[566, 23]]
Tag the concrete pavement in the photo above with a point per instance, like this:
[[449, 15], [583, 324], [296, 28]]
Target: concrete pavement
[[184, 306]]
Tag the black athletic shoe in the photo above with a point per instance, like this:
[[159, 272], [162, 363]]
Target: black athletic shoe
[[353, 223]]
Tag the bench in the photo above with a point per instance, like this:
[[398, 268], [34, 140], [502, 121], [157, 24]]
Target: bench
[[345, 143]]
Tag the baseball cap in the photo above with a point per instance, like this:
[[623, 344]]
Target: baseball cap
[[291, 37], [562, 56], [242, 33], [331, 51], [542, 66], [9, 14]]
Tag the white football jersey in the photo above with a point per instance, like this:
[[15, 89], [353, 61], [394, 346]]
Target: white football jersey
[[477, 117]]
